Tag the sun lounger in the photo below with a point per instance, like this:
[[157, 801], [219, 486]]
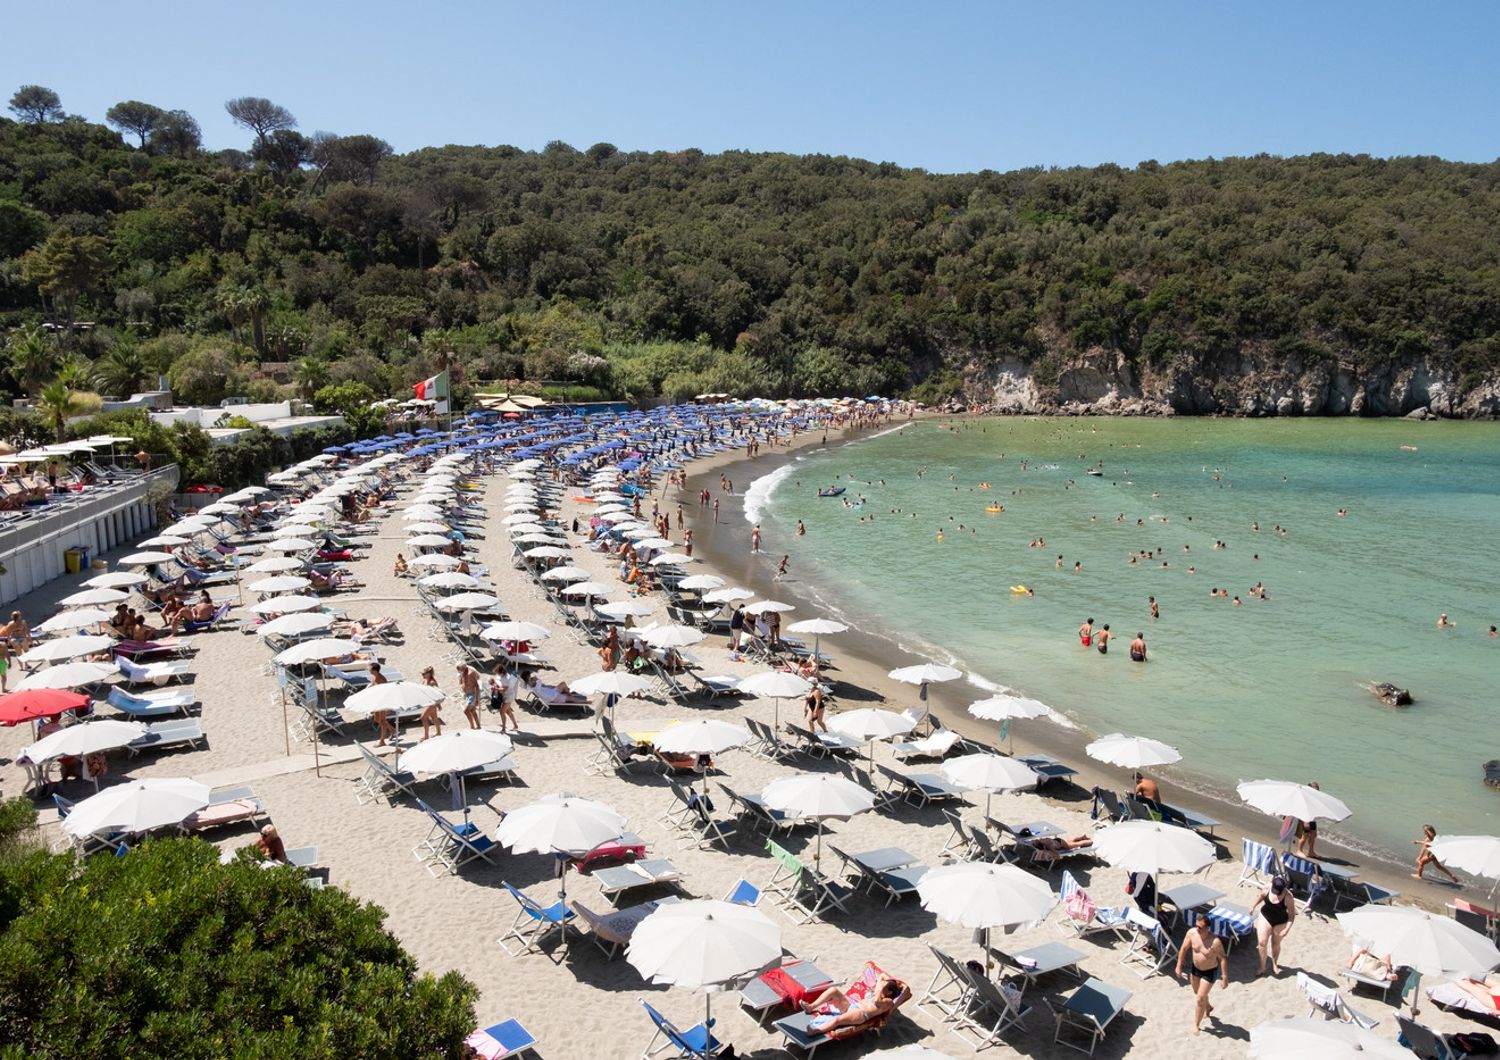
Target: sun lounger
[[753, 809], [921, 788], [783, 988], [795, 1028], [1327, 1002], [1050, 768], [1090, 1009], [611, 931], [991, 1008], [533, 923], [156, 673], [896, 882], [381, 780], [229, 806], [1106, 805], [159, 704], [1082, 917], [137, 650], [167, 734], [1374, 982], [1151, 949], [1424, 1042], [448, 847], [1304, 876], [211, 623], [1450, 995], [502, 1041], [696, 1042], [823, 744], [935, 746], [1350, 894]]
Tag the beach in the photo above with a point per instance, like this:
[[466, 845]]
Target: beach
[[577, 1002]]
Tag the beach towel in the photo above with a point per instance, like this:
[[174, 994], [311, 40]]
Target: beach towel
[[791, 992]]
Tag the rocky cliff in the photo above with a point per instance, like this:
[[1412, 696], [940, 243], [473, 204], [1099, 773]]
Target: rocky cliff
[[1250, 383]]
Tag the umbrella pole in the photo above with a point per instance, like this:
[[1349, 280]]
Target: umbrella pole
[[708, 1014], [286, 725]]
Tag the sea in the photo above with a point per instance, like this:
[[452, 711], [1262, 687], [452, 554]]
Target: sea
[[1278, 687]]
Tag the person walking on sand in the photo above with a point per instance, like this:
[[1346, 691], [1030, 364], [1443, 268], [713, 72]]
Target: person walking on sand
[[382, 718], [1426, 857], [1138, 648], [1210, 965], [716, 511], [1277, 909], [503, 696], [430, 714], [736, 628], [755, 538], [781, 568]]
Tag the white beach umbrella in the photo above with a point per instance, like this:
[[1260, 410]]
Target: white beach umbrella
[[728, 596], [819, 628], [1284, 798], [1006, 708], [869, 724], [703, 944], [672, 636], [520, 506], [517, 529], [313, 650], [68, 675], [454, 752], [611, 683], [284, 583], [290, 544], [1478, 854], [292, 530], [87, 738], [990, 773], [75, 619], [246, 493], [671, 559], [193, 524], [1153, 847], [654, 542], [295, 625], [393, 695], [701, 736], [435, 560], [428, 541], [538, 537], [449, 580], [515, 630], [422, 511], [427, 527], [467, 601], [983, 896], [285, 605], [701, 582], [625, 609], [775, 685], [163, 541], [220, 508], [143, 559], [517, 519], [67, 648], [924, 674], [137, 806], [275, 565], [560, 824], [1316, 1038], [565, 574], [307, 513], [1132, 752], [819, 797], [93, 598], [547, 552], [587, 589], [1414, 938], [765, 607], [118, 579]]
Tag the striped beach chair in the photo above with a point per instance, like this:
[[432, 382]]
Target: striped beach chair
[[1260, 863]]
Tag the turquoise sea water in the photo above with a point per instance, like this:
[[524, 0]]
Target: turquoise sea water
[[1266, 689]]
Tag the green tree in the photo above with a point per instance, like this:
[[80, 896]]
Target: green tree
[[63, 268], [123, 370], [21, 228], [34, 105], [356, 403], [177, 134], [204, 376], [260, 116], [133, 116], [57, 403], [311, 375], [33, 357], [166, 952]]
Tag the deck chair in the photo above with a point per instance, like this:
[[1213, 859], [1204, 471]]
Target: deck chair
[[678, 810], [1260, 863], [449, 847], [1136, 810], [1106, 805], [533, 923], [950, 988], [381, 780], [920, 788], [1090, 1009], [794, 1028], [823, 744], [1351, 894], [1327, 1002], [1151, 948], [161, 735], [959, 841], [610, 931], [993, 1008], [160, 704], [1425, 1042], [786, 880], [155, 673], [753, 809], [711, 685], [1305, 876], [210, 623], [767, 744], [695, 1042], [503, 1041], [936, 745], [986, 849], [1082, 917], [743, 893], [896, 883], [700, 827]]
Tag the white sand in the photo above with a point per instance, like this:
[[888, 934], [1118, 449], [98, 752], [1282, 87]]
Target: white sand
[[585, 1006]]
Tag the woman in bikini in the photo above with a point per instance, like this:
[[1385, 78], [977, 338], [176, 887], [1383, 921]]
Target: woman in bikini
[[1425, 856], [880, 1000]]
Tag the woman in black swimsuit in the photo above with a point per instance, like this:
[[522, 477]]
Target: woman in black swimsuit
[[813, 710], [1277, 909]]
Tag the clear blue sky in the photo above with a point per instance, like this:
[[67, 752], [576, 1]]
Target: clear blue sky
[[949, 87]]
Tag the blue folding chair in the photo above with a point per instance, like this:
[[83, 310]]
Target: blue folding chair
[[533, 923], [696, 1042], [743, 893], [503, 1040]]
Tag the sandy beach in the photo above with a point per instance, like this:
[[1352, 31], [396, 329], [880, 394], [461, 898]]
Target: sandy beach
[[577, 1002]]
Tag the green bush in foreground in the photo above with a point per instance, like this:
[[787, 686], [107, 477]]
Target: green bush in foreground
[[165, 952]]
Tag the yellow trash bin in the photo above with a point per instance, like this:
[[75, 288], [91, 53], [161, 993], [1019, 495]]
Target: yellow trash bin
[[73, 560]]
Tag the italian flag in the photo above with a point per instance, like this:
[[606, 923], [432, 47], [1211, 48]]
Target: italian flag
[[434, 389]]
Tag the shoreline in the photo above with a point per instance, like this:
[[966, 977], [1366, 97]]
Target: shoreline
[[863, 659]]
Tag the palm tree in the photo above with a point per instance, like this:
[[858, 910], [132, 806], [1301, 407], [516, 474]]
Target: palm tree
[[122, 371], [311, 374], [33, 357], [56, 400]]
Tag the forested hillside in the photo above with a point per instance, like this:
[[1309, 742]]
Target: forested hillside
[[307, 261]]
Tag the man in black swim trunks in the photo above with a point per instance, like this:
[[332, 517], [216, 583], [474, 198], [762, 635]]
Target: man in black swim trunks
[[1210, 964]]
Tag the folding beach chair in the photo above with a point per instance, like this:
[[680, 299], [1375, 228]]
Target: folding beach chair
[[163, 703], [449, 847], [701, 828], [1305, 876], [950, 988], [695, 1042], [991, 1010], [1090, 1009], [533, 923], [959, 842], [503, 1041], [1082, 917], [1423, 1041], [1106, 804], [1327, 1002], [1260, 862], [1151, 948], [743, 893]]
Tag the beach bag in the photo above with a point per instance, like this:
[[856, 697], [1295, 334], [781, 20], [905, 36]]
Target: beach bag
[[1080, 907], [1474, 1043]]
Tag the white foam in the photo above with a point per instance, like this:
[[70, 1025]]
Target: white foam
[[759, 493]]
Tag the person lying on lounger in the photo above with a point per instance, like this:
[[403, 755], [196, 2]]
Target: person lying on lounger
[[552, 695], [1367, 964], [1062, 842], [361, 630], [1486, 990], [850, 1012]]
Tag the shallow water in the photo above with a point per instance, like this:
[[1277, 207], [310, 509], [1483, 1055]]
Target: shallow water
[[1266, 689]]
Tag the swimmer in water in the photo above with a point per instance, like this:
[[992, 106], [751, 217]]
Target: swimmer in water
[[1086, 632], [1155, 610], [1443, 623], [801, 530]]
